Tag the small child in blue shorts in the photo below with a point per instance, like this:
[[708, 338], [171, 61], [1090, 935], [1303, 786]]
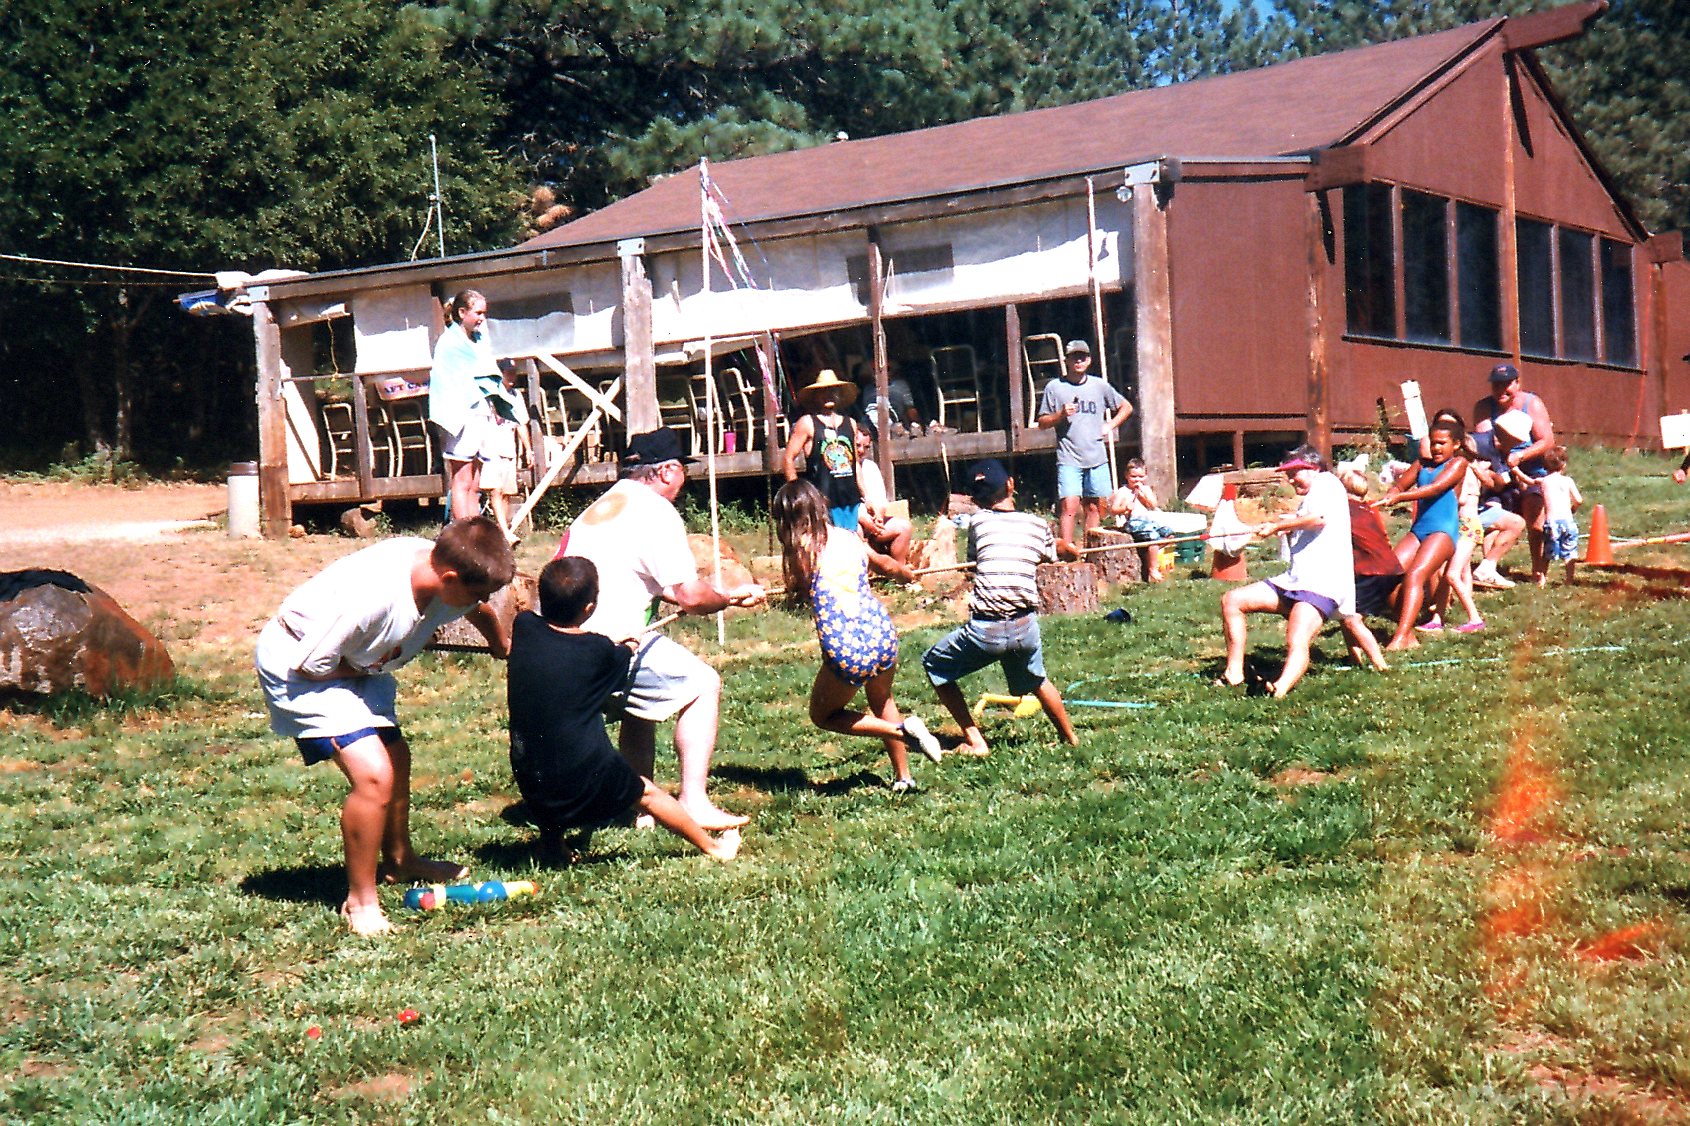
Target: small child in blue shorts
[[1003, 621], [1560, 499]]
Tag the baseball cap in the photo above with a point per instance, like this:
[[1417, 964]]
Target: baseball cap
[[1077, 346], [655, 447], [987, 481], [1504, 373]]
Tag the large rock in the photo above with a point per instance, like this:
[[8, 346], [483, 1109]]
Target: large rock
[[523, 593], [734, 572], [58, 632]]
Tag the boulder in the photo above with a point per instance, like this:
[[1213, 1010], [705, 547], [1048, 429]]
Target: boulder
[[522, 593], [58, 632], [734, 572]]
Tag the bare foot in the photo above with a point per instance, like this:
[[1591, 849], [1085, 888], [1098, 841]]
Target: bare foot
[[366, 921], [1229, 680], [420, 869], [713, 819], [727, 845], [972, 748], [1397, 646], [1273, 689]]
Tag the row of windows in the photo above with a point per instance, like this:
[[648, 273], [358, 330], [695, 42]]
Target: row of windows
[[1427, 269]]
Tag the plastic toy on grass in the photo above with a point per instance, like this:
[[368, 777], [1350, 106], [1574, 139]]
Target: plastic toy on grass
[[432, 897], [1023, 706]]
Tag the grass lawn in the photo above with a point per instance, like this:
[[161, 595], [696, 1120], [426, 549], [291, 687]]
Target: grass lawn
[[1453, 892]]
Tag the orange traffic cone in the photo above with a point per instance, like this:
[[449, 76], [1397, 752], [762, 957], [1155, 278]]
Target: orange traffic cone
[[1224, 565], [1599, 553]]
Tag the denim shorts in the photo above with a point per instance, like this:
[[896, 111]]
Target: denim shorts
[[1562, 540], [1014, 644], [1073, 481], [319, 748]]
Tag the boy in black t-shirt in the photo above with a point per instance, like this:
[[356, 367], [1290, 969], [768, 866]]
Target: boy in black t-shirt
[[559, 679]]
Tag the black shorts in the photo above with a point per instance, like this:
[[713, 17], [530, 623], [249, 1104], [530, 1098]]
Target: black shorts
[[1373, 593]]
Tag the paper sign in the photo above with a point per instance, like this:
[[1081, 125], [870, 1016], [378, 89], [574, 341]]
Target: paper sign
[[1415, 409], [1675, 431]]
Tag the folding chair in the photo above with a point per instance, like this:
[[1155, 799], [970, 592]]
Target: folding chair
[[956, 382], [1041, 354]]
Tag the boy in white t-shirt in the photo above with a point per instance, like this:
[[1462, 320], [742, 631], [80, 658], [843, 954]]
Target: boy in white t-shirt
[[325, 664], [1560, 498]]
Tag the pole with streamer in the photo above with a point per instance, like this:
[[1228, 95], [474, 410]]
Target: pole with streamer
[[710, 388], [1097, 310]]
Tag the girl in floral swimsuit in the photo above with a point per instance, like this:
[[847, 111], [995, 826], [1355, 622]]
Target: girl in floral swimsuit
[[827, 567]]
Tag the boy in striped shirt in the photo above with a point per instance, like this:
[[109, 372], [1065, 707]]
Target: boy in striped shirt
[[1003, 621]]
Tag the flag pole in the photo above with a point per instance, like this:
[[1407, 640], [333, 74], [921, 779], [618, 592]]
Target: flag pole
[[1097, 311], [710, 388]]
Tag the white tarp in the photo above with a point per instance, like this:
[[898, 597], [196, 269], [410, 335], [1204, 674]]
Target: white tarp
[[391, 328]]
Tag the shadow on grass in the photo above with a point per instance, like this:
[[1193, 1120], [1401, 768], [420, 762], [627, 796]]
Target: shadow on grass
[[308, 883], [790, 779], [77, 707]]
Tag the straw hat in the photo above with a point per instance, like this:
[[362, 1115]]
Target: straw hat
[[828, 380]]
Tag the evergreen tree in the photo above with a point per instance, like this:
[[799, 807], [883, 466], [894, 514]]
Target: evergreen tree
[[209, 135], [604, 96]]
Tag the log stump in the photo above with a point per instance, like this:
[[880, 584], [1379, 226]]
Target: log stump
[[523, 593], [1123, 564], [1067, 588]]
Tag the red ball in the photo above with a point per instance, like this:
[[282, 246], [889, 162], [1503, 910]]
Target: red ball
[[409, 1016]]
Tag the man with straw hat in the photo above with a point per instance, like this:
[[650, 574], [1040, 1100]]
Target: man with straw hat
[[823, 447]]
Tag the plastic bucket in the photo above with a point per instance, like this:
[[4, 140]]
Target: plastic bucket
[[243, 500]]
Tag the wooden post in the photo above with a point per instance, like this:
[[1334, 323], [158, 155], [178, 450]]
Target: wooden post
[[1510, 232], [768, 363], [1016, 377], [275, 505], [1153, 306], [882, 370], [536, 422], [1319, 265], [361, 454], [639, 383]]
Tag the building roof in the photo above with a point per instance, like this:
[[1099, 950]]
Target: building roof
[[1289, 109]]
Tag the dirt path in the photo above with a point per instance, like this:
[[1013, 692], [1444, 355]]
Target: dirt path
[[161, 552]]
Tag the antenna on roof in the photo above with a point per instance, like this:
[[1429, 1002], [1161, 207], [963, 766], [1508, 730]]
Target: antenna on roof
[[439, 213]]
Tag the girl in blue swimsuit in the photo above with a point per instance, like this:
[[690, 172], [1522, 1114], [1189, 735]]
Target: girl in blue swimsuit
[[827, 567], [1430, 542]]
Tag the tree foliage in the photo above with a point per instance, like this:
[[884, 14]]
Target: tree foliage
[[214, 135], [602, 96]]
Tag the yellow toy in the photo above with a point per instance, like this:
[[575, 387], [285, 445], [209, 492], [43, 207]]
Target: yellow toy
[[1023, 706]]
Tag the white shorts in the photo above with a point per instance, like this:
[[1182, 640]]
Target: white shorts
[[477, 441], [665, 677], [498, 475]]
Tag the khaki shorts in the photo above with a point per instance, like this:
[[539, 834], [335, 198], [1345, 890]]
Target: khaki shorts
[[665, 677]]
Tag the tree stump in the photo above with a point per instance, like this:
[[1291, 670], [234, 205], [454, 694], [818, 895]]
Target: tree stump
[[1067, 588], [523, 593], [1121, 565]]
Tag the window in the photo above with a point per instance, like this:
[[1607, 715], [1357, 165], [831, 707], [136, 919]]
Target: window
[[1537, 288], [1479, 295], [1619, 318], [1425, 267], [1369, 260], [1578, 294]]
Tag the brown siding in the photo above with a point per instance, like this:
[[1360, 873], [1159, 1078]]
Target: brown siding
[[1448, 145], [1236, 259]]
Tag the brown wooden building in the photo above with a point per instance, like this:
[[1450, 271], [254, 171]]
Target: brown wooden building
[[1256, 256]]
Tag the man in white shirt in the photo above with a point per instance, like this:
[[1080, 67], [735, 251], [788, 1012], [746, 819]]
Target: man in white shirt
[[1320, 584], [639, 544]]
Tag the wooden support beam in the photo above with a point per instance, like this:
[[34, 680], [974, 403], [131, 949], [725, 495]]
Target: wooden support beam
[[275, 506], [1551, 25], [1338, 168], [639, 356], [877, 330], [1015, 377], [1319, 261], [1510, 231], [1153, 307]]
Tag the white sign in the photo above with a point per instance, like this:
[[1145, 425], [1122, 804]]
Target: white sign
[[1415, 409], [1675, 431]]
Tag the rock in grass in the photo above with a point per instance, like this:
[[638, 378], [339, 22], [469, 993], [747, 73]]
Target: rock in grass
[[58, 632]]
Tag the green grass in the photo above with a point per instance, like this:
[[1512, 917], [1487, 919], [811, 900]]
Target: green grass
[[1146, 928]]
